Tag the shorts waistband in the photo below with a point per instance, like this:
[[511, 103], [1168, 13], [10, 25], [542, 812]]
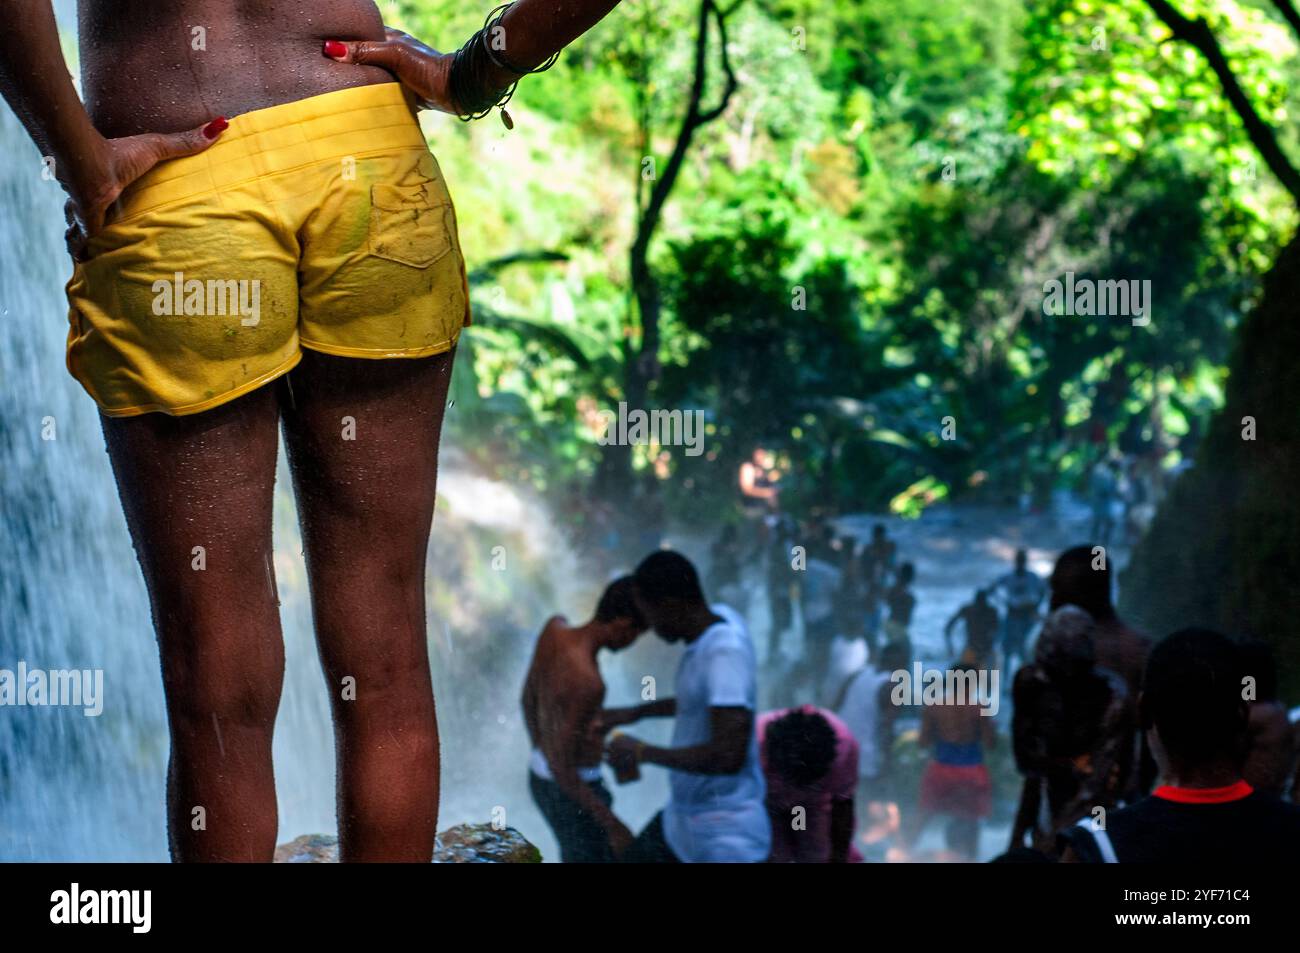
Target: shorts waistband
[[347, 122], [958, 755], [538, 764]]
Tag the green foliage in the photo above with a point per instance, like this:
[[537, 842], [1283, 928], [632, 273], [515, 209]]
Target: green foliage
[[916, 170]]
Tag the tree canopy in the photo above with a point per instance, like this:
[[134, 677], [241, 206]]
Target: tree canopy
[[856, 248]]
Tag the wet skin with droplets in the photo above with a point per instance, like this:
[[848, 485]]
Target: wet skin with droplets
[[365, 508], [149, 66], [362, 442]]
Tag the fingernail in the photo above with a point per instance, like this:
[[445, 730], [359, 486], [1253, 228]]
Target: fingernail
[[214, 128], [335, 50]]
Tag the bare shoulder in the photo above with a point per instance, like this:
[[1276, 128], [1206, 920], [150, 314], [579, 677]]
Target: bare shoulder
[[555, 624], [579, 669], [544, 647]]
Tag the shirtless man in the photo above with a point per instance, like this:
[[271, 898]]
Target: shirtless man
[[956, 782], [876, 565], [563, 695], [1082, 578], [1075, 582], [901, 602], [1070, 726], [981, 622], [292, 163]]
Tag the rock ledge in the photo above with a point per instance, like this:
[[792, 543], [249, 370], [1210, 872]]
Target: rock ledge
[[462, 844]]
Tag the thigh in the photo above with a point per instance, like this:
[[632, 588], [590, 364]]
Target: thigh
[[588, 841], [581, 839], [197, 492], [362, 438], [650, 846]]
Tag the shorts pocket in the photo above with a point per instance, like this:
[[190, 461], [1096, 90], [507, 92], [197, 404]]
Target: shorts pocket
[[409, 224]]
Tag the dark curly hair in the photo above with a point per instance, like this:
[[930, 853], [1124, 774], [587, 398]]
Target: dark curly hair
[[665, 574], [800, 746], [618, 601]]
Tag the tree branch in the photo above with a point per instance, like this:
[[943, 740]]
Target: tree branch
[[1289, 14], [721, 19], [1198, 33], [644, 285], [489, 268]]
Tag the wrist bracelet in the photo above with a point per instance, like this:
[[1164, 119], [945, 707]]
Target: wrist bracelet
[[467, 68], [490, 24]]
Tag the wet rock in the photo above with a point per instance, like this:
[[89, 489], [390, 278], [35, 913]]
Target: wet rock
[[462, 844], [484, 844], [309, 849]]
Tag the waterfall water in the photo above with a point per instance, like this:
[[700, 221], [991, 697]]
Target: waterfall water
[[71, 597]]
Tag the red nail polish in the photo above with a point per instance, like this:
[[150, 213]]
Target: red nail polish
[[214, 128], [335, 50]]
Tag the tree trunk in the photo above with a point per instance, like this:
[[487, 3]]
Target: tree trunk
[[1224, 549]]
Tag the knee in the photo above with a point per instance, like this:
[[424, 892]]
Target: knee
[[383, 690], [374, 606], [232, 677], [392, 679], [228, 701]]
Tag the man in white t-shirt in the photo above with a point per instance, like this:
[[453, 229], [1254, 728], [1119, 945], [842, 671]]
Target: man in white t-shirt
[[865, 707], [715, 810], [1022, 593]]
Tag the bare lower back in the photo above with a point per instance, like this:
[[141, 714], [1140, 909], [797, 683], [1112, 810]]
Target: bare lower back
[[163, 67], [956, 724]]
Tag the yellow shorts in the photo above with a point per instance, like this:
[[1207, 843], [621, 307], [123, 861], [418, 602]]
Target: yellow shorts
[[321, 224]]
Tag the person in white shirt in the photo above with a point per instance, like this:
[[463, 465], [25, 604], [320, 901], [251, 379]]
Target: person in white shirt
[[1022, 593], [715, 811], [865, 707]]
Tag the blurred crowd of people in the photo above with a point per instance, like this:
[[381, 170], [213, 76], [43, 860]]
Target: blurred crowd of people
[[1122, 751]]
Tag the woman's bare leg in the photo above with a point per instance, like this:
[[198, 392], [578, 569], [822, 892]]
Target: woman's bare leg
[[197, 493], [362, 437]]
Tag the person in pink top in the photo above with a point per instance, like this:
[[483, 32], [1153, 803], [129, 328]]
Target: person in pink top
[[810, 762]]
